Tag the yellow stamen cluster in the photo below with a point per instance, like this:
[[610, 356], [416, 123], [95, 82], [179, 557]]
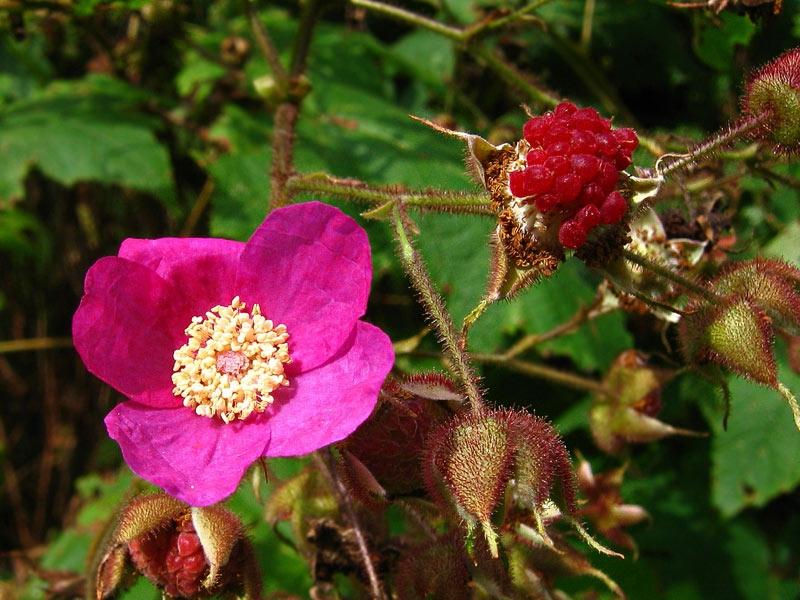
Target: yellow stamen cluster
[[232, 362]]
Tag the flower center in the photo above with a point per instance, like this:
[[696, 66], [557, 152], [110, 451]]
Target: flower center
[[232, 362]]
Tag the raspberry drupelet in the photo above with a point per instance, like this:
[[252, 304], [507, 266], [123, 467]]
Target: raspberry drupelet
[[571, 169]]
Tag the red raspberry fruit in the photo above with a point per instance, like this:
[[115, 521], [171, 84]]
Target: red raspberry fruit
[[613, 208], [567, 187], [585, 166], [173, 558], [571, 234], [588, 217], [573, 169]]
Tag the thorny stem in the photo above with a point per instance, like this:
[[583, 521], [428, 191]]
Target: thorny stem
[[327, 463], [716, 142], [434, 307], [666, 273], [357, 191]]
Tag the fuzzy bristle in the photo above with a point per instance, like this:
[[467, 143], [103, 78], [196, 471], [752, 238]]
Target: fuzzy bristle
[[471, 455]]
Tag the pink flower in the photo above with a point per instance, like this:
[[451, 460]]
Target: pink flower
[[230, 351]]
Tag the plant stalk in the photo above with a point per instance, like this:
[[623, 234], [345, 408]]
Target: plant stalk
[[435, 307]]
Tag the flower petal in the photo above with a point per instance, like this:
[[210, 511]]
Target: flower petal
[[125, 329], [327, 404], [202, 270], [196, 459], [309, 267]]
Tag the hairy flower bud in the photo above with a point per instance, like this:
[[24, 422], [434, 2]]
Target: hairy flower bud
[[774, 94], [472, 459], [736, 330], [187, 552], [736, 334]]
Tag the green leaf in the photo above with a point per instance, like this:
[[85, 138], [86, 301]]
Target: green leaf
[[753, 564], [456, 251], [103, 496], [437, 68], [757, 458], [85, 130], [141, 590], [784, 245], [241, 193], [716, 45]]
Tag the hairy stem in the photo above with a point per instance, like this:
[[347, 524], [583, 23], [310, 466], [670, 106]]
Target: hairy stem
[[716, 142], [435, 307], [282, 152], [476, 203]]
